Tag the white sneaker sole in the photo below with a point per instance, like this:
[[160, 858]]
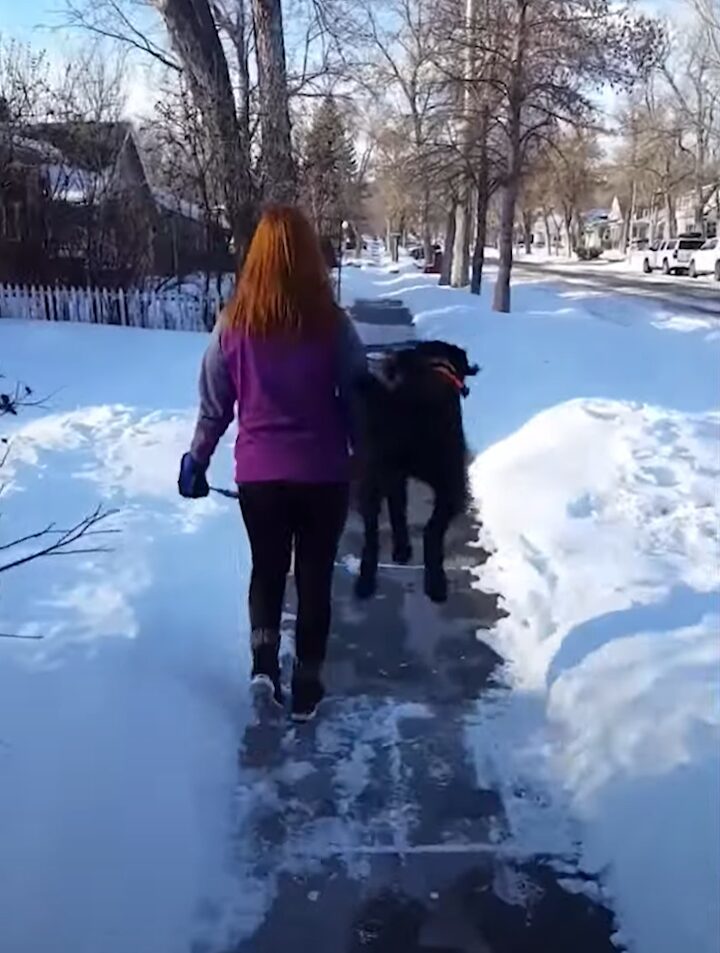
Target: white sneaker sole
[[263, 690]]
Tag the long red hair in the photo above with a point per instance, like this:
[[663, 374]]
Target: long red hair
[[284, 286]]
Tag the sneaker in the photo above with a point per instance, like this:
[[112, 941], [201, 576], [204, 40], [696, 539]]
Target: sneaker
[[266, 667], [265, 687], [307, 693]]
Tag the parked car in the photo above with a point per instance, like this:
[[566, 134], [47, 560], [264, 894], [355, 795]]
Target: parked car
[[706, 260], [671, 256]]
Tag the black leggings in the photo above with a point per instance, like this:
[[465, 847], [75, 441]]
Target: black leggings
[[312, 517]]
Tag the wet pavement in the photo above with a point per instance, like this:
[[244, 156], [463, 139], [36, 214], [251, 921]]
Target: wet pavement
[[369, 827]]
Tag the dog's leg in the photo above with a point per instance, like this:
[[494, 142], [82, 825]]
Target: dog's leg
[[370, 502], [436, 587], [397, 505]]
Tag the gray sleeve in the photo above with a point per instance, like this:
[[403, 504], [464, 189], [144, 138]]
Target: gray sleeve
[[353, 359], [353, 366], [217, 402]]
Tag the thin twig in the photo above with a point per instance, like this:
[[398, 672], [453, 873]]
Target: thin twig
[[30, 537], [66, 539], [80, 552], [24, 638]]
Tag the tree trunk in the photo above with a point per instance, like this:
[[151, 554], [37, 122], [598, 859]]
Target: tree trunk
[[481, 209], [626, 237], [501, 298], [700, 209], [449, 251], [670, 216], [652, 231], [459, 275], [478, 259], [278, 167], [568, 232], [548, 236], [427, 236], [195, 39], [527, 232]]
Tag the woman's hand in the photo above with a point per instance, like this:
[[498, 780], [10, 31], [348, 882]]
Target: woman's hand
[[192, 482]]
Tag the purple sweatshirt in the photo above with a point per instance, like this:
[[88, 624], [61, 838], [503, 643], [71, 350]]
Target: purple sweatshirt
[[293, 404]]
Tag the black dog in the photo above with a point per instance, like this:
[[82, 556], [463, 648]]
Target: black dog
[[411, 426]]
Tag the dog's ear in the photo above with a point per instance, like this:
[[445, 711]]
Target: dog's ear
[[459, 359]]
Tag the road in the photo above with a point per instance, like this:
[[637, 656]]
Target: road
[[700, 295]]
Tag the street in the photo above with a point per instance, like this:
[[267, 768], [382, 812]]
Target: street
[[699, 295]]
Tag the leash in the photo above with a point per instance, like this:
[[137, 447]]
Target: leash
[[228, 494]]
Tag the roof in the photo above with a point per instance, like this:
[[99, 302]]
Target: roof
[[84, 145], [596, 216], [81, 160], [173, 203]]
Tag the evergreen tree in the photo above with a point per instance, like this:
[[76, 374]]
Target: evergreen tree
[[329, 181]]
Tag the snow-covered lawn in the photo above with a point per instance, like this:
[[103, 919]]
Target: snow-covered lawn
[[596, 429], [118, 730]]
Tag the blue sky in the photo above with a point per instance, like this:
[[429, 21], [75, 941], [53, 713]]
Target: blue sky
[[33, 20], [20, 17]]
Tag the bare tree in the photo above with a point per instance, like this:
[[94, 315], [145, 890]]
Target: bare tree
[[567, 174], [278, 167], [195, 38], [694, 84], [398, 42], [122, 22], [708, 12], [664, 165], [553, 54], [468, 60]]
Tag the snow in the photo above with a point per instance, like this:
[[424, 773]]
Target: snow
[[118, 729], [173, 203], [596, 434], [76, 186], [596, 429]]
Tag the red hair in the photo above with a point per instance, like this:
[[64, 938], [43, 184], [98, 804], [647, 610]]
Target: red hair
[[284, 286]]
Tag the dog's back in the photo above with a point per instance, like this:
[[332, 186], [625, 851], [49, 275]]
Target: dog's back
[[411, 408]]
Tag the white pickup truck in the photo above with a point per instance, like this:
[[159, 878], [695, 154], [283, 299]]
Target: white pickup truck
[[671, 256]]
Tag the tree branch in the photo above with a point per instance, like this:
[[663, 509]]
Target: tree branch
[[64, 541]]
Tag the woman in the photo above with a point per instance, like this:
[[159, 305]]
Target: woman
[[288, 357]]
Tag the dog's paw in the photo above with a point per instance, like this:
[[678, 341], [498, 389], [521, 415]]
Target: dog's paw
[[436, 587], [365, 587], [402, 554]]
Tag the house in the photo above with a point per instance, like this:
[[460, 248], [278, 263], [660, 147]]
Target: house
[[77, 206], [650, 222], [547, 233]]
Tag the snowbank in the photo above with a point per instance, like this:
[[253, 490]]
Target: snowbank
[[604, 517], [596, 427]]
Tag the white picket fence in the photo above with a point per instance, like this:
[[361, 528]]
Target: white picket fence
[[168, 310]]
